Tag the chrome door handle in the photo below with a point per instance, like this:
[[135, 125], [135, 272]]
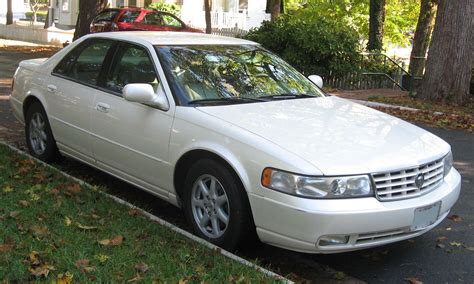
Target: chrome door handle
[[51, 88], [102, 107]]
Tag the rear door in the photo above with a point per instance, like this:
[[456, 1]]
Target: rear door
[[131, 139], [72, 89]]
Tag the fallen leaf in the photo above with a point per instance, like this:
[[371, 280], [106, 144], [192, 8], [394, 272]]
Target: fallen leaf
[[339, 275], [83, 265], [95, 216], [5, 248], [455, 218], [133, 212], [441, 246], [53, 191], [448, 229], [141, 267], [67, 221], [135, 279], [455, 244], [442, 238], [102, 258], [39, 230], [112, 242], [24, 203], [14, 214], [470, 248], [84, 227], [41, 270], [65, 278], [74, 189], [413, 280], [7, 189]]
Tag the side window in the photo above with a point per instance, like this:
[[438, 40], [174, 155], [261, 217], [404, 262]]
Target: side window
[[106, 16], [129, 16], [131, 64], [85, 62], [153, 19], [171, 21]]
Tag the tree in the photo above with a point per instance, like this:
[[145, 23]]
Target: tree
[[9, 12], [35, 6], [275, 8], [376, 24], [88, 9], [450, 57], [207, 14], [421, 41]]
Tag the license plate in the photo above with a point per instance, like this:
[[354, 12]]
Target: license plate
[[425, 216]]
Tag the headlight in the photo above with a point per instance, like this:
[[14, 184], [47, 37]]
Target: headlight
[[447, 163], [317, 187]]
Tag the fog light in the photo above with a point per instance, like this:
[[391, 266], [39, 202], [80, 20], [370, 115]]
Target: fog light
[[333, 240]]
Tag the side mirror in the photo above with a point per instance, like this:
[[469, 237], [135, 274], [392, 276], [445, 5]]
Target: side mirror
[[144, 94], [316, 80]]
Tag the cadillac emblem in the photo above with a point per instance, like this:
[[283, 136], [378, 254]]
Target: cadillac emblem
[[419, 180]]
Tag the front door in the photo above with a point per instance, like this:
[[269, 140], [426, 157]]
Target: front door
[[131, 139]]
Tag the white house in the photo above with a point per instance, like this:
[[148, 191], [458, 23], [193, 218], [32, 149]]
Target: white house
[[19, 7], [244, 14]]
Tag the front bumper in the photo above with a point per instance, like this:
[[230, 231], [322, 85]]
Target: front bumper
[[297, 224]]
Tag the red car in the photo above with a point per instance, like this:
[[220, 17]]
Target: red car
[[138, 19]]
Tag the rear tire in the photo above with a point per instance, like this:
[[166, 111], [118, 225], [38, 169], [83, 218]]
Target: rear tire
[[39, 137], [216, 206]]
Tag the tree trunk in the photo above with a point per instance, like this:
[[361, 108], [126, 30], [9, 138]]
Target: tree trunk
[[376, 23], [207, 12], [88, 9], [9, 12], [275, 9], [448, 67], [421, 41]]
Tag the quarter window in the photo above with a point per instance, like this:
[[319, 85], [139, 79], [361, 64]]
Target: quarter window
[[131, 64], [171, 21], [84, 63]]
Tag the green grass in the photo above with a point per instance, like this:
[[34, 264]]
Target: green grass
[[51, 225]]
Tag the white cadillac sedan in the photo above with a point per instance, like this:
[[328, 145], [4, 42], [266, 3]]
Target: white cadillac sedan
[[237, 138]]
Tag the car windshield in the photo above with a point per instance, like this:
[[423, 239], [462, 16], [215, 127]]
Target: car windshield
[[231, 74]]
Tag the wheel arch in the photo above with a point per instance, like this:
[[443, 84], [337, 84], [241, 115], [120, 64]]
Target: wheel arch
[[29, 100], [184, 163]]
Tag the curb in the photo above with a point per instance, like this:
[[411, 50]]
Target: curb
[[160, 221]]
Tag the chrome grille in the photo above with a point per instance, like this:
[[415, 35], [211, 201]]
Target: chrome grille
[[400, 184]]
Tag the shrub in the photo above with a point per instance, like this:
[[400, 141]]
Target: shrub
[[40, 16], [166, 7], [313, 46]]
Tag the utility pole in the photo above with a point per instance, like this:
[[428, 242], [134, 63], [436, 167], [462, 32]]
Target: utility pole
[[9, 12]]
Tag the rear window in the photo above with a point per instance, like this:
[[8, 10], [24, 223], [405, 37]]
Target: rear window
[[106, 16]]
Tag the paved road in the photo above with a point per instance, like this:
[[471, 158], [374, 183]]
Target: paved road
[[418, 257]]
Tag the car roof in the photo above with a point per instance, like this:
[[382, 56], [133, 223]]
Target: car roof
[[172, 38]]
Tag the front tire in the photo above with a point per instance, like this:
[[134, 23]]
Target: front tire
[[39, 137], [216, 206]]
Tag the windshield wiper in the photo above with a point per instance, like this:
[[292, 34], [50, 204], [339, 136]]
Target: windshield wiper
[[286, 97], [226, 100]]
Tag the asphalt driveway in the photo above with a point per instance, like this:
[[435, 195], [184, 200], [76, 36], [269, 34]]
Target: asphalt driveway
[[445, 254]]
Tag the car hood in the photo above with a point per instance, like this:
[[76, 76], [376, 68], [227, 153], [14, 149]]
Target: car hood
[[335, 135]]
